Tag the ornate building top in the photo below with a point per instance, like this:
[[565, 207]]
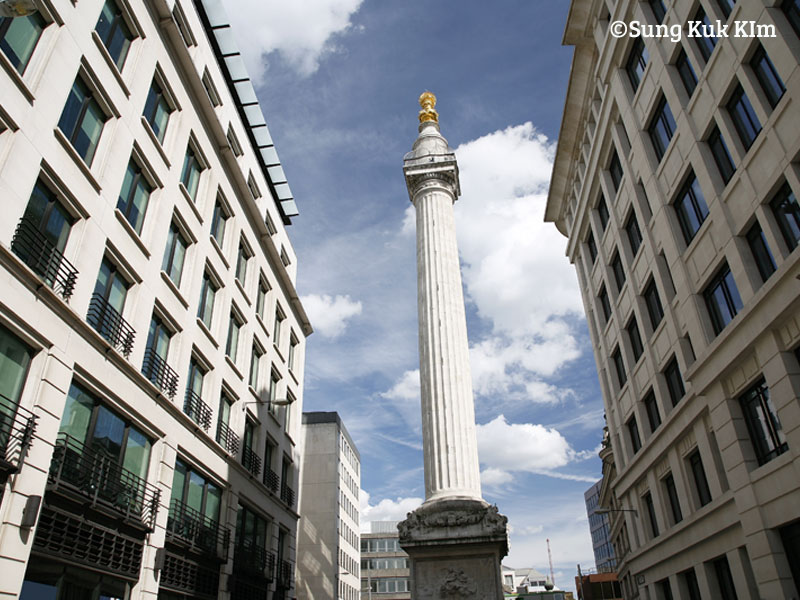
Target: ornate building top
[[428, 113]]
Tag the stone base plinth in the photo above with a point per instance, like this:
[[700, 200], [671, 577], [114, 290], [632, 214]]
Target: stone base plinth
[[455, 547]]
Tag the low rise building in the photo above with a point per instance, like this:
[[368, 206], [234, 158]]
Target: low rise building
[[384, 565]]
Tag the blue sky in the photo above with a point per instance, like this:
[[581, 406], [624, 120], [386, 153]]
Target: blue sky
[[338, 81]]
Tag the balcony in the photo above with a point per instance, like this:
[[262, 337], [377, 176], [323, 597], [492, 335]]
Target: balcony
[[17, 426], [287, 495], [37, 252], [199, 533], [285, 572], [251, 559], [160, 373], [251, 461], [227, 438], [271, 480], [93, 476], [109, 323], [198, 411]]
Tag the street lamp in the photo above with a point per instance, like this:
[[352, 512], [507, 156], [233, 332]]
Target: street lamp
[[269, 403], [17, 8]]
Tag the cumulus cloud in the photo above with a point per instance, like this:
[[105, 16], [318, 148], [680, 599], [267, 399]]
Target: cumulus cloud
[[329, 314], [506, 447], [406, 388], [302, 31], [385, 510]]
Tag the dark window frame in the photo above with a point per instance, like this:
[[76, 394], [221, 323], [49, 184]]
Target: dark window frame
[[676, 513], [675, 385], [763, 424], [86, 103], [655, 309], [619, 367], [691, 208], [157, 99], [744, 117], [651, 408], [699, 478], [634, 233], [636, 62], [686, 72], [618, 270], [605, 304], [722, 310], [126, 205], [787, 213], [762, 256], [661, 128], [108, 35], [721, 154], [602, 212], [18, 61], [633, 434], [635, 338], [767, 75]]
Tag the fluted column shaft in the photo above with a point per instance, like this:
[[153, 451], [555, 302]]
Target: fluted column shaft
[[448, 414]]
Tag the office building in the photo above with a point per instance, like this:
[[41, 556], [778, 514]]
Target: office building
[[675, 180], [328, 542], [604, 560], [384, 564], [151, 339]]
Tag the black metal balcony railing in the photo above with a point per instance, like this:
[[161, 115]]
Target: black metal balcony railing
[[271, 480], [17, 426], [227, 438], [198, 411], [250, 558], [99, 478], [285, 571], [107, 321], [35, 250], [160, 373], [251, 461], [287, 494], [200, 533]]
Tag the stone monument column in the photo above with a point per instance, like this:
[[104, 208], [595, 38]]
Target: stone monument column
[[455, 540]]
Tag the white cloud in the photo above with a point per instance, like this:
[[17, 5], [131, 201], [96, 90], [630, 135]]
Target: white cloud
[[406, 388], [495, 477], [385, 510], [506, 447], [302, 31], [329, 314]]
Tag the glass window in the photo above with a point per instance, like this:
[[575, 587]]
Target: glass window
[[722, 571], [274, 380], [633, 431], [661, 128], [690, 581], [15, 358], [157, 111], [664, 588], [175, 254], [261, 298], [232, 344], [634, 233], [790, 536], [722, 299], [705, 43], [675, 387], [651, 513], [691, 208], [653, 302], [619, 272], [293, 343], [651, 407], [241, 264], [82, 120], [19, 36], [719, 150], [255, 361], [195, 491], [767, 76], [602, 212], [787, 213], [604, 303], [208, 292], [158, 337], [619, 367], [763, 423], [93, 424], [659, 10], [744, 117], [276, 327], [218, 221], [635, 339], [114, 32], [190, 175], [760, 249], [615, 169], [791, 8], [194, 381], [110, 292], [699, 477], [48, 216], [674, 500], [592, 247], [134, 195], [637, 61], [685, 70]]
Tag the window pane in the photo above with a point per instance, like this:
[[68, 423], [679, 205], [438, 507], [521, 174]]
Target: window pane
[[691, 208], [763, 424], [760, 249], [744, 117], [77, 413], [108, 434], [685, 70], [721, 155], [767, 76], [18, 38], [787, 213], [114, 32], [137, 453], [14, 360]]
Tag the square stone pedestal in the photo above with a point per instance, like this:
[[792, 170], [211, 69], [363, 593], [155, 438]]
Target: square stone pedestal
[[455, 547]]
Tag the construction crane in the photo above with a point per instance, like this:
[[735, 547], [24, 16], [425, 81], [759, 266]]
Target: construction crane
[[550, 558]]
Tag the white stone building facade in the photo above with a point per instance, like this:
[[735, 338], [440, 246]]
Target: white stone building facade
[[328, 540], [676, 180], [148, 311]]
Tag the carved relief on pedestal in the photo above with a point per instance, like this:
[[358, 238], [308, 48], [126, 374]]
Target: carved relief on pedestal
[[421, 523]]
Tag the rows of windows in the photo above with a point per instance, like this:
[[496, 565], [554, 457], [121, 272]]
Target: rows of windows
[[396, 562], [348, 480], [348, 454], [389, 585], [349, 536], [348, 507], [380, 545], [348, 563], [347, 591]]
